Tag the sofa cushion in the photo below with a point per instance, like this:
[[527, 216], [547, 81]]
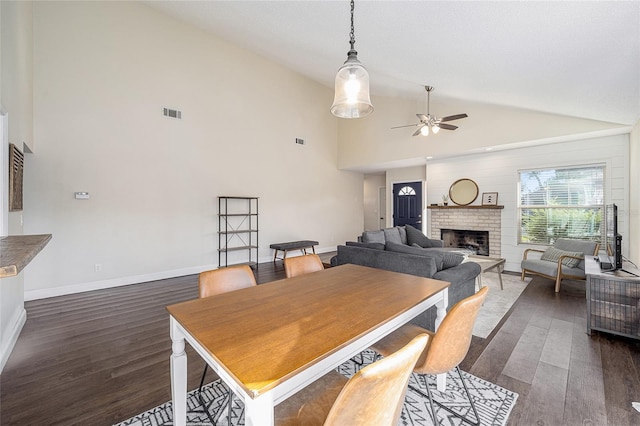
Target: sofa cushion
[[438, 257], [552, 254], [392, 235], [450, 258], [403, 234], [373, 237], [415, 236], [375, 246]]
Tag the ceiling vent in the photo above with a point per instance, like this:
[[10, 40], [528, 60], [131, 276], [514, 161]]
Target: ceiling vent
[[172, 113]]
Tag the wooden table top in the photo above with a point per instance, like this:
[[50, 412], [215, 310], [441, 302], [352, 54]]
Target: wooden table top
[[266, 334]]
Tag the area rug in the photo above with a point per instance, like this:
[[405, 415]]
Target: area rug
[[498, 302], [493, 402]]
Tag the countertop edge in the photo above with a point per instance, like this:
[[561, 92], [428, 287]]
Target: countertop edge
[[17, 251]]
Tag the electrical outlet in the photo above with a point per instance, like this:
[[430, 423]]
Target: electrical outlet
[[97, 267]]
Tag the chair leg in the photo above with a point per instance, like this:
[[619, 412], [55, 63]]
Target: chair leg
[[522, 276], [204, 405], [558, 279], [431, 401]]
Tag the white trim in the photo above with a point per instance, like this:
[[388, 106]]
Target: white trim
[[4, 174], [7, 348], [134, 279]]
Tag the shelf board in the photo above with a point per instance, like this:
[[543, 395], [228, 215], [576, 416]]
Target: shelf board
[[240, 231], [237, 214], [237, 248]]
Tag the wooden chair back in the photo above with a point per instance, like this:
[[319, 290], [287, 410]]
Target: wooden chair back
[[450, 344], [226, 279], [374, 396], [300, 265]]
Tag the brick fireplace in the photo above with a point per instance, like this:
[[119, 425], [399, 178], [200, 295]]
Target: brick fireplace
[[469, 218]]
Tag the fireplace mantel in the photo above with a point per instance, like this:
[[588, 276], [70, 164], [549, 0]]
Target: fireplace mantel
[[466, 207]]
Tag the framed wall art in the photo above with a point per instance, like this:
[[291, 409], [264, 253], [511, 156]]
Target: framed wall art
[[489, 198]]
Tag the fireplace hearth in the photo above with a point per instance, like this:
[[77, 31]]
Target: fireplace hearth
[[474, 241]]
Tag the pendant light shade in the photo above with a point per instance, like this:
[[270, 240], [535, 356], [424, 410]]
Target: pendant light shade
[[351, 98]]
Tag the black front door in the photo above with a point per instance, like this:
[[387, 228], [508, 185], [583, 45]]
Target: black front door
[[407, 204]]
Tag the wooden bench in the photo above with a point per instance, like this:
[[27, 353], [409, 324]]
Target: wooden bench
[[293, 245]]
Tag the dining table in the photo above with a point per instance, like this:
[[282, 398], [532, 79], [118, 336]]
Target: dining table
[[268, 342]]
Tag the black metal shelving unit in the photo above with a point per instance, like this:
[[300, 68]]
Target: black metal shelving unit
[[237, 228]]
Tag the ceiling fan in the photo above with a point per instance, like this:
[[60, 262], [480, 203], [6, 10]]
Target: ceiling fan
[[430, 122]]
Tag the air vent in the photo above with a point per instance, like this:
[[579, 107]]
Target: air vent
[[172, 113]]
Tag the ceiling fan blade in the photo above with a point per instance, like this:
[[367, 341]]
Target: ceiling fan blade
[[408, 125], [417, 132], [423, 118], [447, 126], [453, 117]]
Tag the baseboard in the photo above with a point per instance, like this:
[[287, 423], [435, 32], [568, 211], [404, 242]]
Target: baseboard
[[135, 279], [7, 348], [115, 282]]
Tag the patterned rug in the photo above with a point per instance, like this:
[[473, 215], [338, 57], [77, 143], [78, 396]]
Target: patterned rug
[[493, 402]]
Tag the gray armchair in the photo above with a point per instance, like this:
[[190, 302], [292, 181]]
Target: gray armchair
[[565, 259]]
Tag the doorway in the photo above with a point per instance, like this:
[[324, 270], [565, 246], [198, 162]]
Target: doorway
[[382, 207], [407, 204]]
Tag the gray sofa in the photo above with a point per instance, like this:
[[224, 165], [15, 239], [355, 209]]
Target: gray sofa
[[431, 262]]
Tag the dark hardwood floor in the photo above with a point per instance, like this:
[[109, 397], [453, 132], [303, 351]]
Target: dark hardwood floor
[[100, 357]]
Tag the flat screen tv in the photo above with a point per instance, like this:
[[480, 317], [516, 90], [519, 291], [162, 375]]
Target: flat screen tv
[[612, 237]]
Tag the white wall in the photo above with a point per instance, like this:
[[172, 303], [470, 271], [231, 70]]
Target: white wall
[[634, 195], [498, 172], [103, 71], [372, 214], [371, 140], [17, 101]]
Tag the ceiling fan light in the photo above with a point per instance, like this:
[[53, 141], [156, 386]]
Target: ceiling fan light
[[435, 129], [352, 98], [424, 131]]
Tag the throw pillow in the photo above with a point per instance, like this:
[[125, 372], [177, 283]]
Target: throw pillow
[[415, 236], [392, 235], [401, 248], [374, 246], [552, 254], [450, 258], [373, 237], [403, 234]]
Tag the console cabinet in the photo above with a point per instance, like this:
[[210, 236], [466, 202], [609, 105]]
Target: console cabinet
[[237, 230], [613, 300]]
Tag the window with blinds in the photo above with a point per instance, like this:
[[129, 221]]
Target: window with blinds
[[561, 203]]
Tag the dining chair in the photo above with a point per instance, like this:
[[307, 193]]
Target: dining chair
[[445, 350], [374, 396], [218, 281], [300, 265]]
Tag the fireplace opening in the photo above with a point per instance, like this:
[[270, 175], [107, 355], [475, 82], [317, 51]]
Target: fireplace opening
[[475, 241]]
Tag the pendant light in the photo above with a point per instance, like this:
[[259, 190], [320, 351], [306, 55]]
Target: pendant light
[[352, 85]]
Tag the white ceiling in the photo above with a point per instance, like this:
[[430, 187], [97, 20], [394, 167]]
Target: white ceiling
[[574, 58]]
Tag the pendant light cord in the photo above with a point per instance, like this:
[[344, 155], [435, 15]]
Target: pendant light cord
[[352, 34]]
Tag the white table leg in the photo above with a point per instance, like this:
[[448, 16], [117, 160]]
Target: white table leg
[[178, 376], [441, 306], [259, 411]]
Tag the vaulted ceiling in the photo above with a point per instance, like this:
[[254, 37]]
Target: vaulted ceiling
[[579, 59]]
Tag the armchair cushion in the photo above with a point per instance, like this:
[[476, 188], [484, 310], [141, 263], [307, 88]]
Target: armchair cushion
[[552, 254]]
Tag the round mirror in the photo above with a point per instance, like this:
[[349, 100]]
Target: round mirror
[[463, 192]]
